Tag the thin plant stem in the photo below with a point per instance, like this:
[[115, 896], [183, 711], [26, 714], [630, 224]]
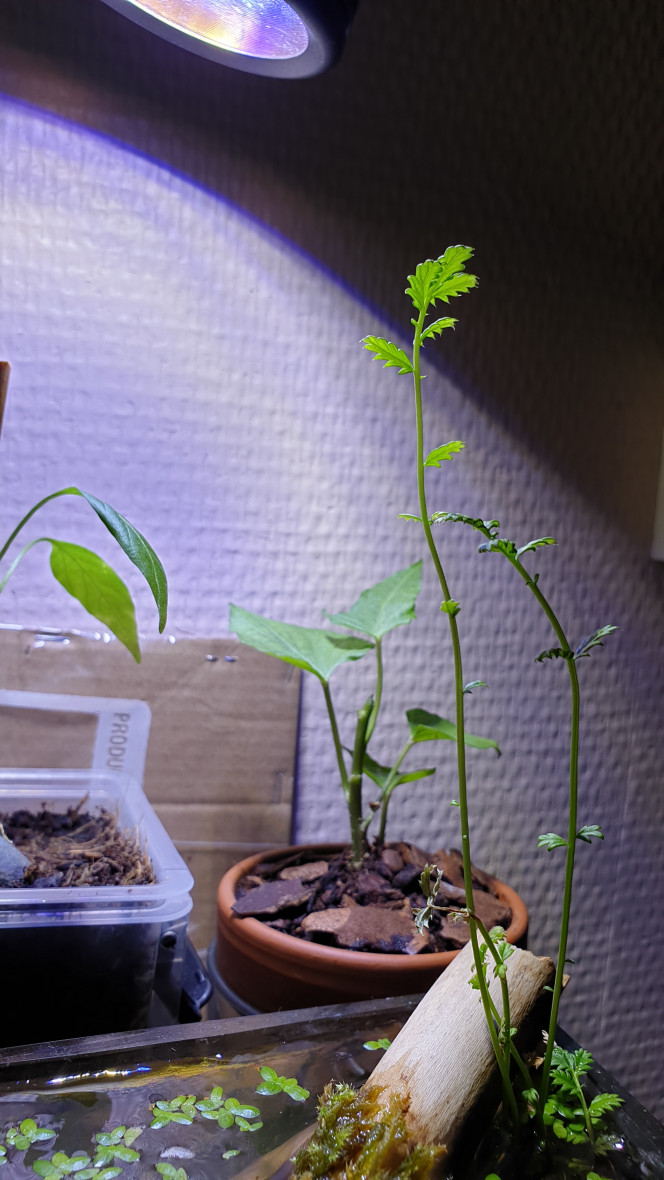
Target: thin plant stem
[[335, 735], [378, 692], [390, 784], [572, 821], [355, 781], [18, 559], [503, 1063], [53, 496]]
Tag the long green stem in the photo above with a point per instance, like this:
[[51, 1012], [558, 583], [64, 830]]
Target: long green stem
[[390, 784], [378, 692], [459, 712], [337, 740], [26, 518], [19, 558], [572, 822], [355, 782]]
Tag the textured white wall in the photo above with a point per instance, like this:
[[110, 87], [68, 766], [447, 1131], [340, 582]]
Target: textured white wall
[[174, 357]]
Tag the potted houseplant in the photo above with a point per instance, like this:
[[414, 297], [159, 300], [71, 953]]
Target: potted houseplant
[[95, 912], [541, 1098], [304, 971]]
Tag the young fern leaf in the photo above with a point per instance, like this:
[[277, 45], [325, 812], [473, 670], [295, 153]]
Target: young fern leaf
[[533, 545], [554, 653], [594, 640], [446, 451], [499, 545], [409, 516], [442, 278], [487, 527], [450, 606], [438, 327], [475, 684], [550, 840], [590, 832], [390, 354]]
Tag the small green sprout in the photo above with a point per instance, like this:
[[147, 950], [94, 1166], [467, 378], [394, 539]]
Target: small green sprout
[[228, 1155], [171, 1172], [566, 1111], [116, 1145], [178, 1110], [61, 1165], [381, 1043], [227, 1111], [272, 1084], [3, 1155], [27, 1133]]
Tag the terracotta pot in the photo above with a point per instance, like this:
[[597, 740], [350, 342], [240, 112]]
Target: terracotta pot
[[273, 971]]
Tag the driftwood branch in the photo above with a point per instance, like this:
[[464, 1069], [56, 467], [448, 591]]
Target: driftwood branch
[[443, 1058]]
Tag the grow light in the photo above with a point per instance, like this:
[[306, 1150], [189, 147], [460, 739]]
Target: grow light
[[280, 38]]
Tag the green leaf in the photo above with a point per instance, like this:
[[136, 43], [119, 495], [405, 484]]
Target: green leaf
[[409, 516], [438, 327], [594, 640], [533, 545], [388, 604], [475, 684], [269, 1087], [242, 1123], [390, 354], [225, 1119], [294, 1090], [309, 648], [603, 1103], [138, 550], [499, 545], [487, 527], [380, 774], [229, 1155], [550, 840], [590, 832], [98, 588], [381, 1043], [442, 278], [554, 653], [440, 454], [428, 727], [450, 606]]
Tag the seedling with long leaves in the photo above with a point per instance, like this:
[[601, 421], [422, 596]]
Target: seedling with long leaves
[[438, 281], [91, 580], [382, 608]]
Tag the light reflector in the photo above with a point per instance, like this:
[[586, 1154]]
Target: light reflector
[[258, 28], [279, 38]]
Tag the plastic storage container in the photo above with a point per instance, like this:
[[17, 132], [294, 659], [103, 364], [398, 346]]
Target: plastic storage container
[[86, 960]]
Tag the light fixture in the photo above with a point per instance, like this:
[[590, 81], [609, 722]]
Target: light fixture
[[278, 38]]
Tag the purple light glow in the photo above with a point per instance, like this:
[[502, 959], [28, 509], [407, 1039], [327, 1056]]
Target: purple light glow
[[256, 28]]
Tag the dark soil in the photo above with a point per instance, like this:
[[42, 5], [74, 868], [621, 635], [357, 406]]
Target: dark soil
[[367, 908], [75, 848]]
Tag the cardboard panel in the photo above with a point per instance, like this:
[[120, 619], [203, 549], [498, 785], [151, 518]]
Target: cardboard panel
[[221, 754]]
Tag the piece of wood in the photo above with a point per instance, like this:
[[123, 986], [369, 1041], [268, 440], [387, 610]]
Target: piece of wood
[[443, 1058], [5, 369]]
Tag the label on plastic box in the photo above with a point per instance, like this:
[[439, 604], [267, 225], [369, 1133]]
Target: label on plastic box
[[123, 727]]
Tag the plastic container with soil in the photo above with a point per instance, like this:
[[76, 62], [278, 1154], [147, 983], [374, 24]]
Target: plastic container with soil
[[77, 961]]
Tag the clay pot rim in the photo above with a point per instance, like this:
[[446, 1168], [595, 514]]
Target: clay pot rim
[[282, 946]]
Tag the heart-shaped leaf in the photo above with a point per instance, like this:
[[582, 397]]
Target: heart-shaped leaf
[[388, 604], [309, 648], [428, 727]]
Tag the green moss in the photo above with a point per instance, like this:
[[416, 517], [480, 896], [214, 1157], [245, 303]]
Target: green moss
[[356, 1139]]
